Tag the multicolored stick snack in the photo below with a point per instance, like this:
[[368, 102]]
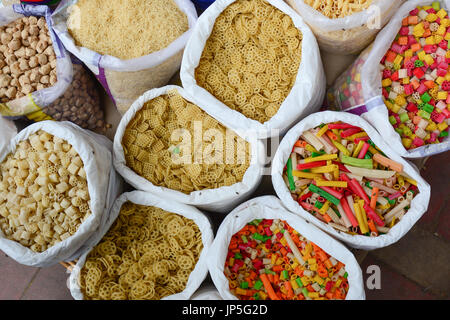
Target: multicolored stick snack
[[416, 78], [269, 260], [336, 173]]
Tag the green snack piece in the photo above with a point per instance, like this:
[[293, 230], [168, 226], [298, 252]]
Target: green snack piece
[[317, 154], [267, 271], [318, 205], [428, 108], [404, 117], [424, 114], [237, 255], [244, 285], [299, 282], [425, 97], [244, 239], [443, 134], [305, 292], [392, 120], [256, 296], [290, 176], [399, 131], [285, 274], [355, 162]]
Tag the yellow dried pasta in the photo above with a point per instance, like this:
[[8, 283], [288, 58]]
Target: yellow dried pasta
[[44, 194], [338, 8], [126, 29], [138, 259], [251, 60], [182, 163]]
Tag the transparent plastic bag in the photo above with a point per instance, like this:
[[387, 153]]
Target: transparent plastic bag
[[74, 96], [350, 34], [358, 90]]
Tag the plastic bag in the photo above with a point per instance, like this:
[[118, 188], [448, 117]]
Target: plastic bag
[[221, 199], [138, 197], [270, 207], [306, 94], [103, 183], [358, 90], [350, 34], [73, 97], [126, 80], [419, 204]]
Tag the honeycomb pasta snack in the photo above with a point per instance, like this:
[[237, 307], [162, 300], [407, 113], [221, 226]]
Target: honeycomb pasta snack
[[151, 248], [163, 146]]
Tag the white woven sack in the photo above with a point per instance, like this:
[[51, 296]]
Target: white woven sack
[[270, 207], [351, 34], [222, 199], [142, 198], [40, 99], [103, 185], [126, 80], [419, 204], [373, 108], [305, 97]]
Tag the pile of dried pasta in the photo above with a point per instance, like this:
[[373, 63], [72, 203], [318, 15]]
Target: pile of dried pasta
[[147, 254], [44, 194], [126, 29], [251, 59], [339, 8], [154, 150]]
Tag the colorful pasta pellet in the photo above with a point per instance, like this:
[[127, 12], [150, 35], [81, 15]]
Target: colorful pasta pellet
[[278, 263], [415, 77]]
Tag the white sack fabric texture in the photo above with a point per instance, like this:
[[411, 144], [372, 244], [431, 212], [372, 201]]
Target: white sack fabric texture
[[220, 199], [350, 34], [359, 89], [304, 98], [126, 80], [419, 204], [142, 198], [270, 207], [103, 186]]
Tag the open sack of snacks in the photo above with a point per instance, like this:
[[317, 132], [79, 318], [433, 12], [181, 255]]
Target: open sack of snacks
[[131, 46], [167, 145], [264, 252], [38, 78], [334, 170], [345, 26], [152, 249], [255, 64], [57, 186], [400, 84]]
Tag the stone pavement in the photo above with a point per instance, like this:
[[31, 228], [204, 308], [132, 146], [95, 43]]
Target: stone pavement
[[416, 267]]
